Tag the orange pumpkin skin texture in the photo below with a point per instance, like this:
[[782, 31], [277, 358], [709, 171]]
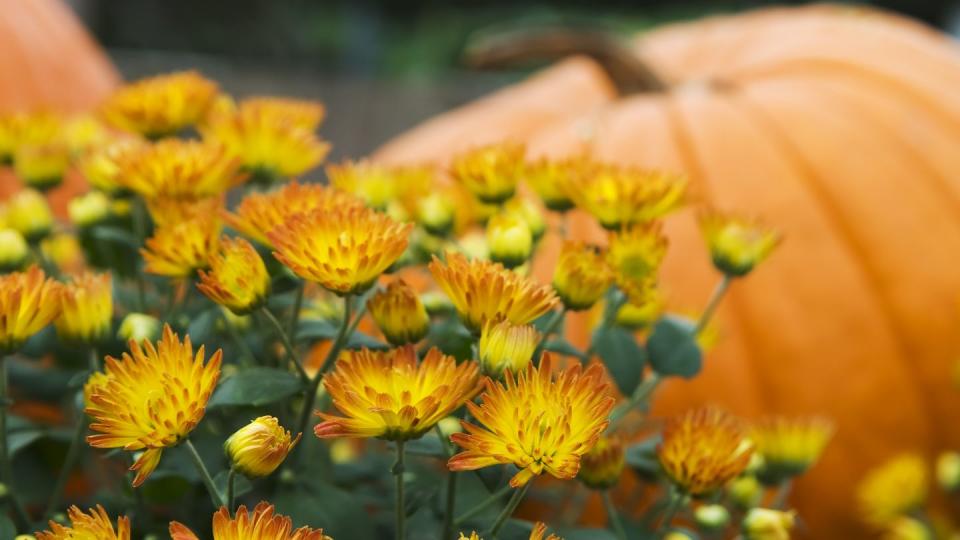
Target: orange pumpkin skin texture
[[840, 126]]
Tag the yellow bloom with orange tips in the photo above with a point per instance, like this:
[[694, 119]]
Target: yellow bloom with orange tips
[[237, 278], [635, 254], [619, 196], [92, 525], [703, 449], [537, 533], [600, 468], [86, 308], [895, 488], [262, 524], [392, 396], [151, 398], [509, 239], [14, 250], [342, 249], [299, 113], [537, 420], [504, 345], [166, 211], [28, 302], [162, 105], [789, 446], [399, 313], [101, 165], [28, 212], [179, 169], [483, 290], [259, 213], [581, 276], [491, 172], [178, 250], [258, 448], [737, 244]]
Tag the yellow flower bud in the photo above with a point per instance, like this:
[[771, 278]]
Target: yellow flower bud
[[449, 426], [745, 491], [41, 166], [948, 471], [258, 448], [677, 535], [399, 313], [907, 528], [505, 345], [640, 316], [600, 468], [86, 308], [767, 524], [13, 251], [736, 244], [237, 279], [581, 276], [89, 209], [475, 246], [490, 173], [510, 240], [238, 322], [711, 517], [528, 211], [435, 213], [139, 327], [436, 302], [29, 213]]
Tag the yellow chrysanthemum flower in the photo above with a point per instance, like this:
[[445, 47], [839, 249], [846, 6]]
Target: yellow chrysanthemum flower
[[389, 395], [342, 249], [582, 275], [509, 239], [86, 308], [83, 132], [180, 249], [893, 489], [14, 250], [399, 313], [28, 302], [151, 398], [504, 345], [737, 244], [377, 184], [437, 211], [789, 446], [28, 213], [635, 254], [179, 169], [89, 209], [92, 525], [703, 449], [537, 421], [258, 448], [259, 213], [238, 279], [490, 173], [101, 165], [908, 528], [299, 113], [638, 316], [767, 524], [530, 212], [268, 143], [41, 166], [166, 211], [622, 196], [263, 524], [64, 251], [160, 106], [600, 468], [550, 179], [537, 533], [483, 290]]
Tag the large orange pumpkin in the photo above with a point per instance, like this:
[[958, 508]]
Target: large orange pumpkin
[[842, 127]]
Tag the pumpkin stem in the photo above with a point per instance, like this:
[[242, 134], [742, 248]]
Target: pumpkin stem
[[628, 72]]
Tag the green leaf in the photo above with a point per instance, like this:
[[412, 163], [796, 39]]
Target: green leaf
[[203, 325], [622, 355], [673, 348], [7, 529], [642, 457], [22, 439], [338, 512], [360, 340], [241, 485], [255, 387], [560, 345], [316, 329]]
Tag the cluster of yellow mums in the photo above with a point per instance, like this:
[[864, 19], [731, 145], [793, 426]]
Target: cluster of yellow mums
[[478, 224]]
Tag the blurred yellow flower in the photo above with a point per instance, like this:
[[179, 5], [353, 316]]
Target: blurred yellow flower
[[549, 178], [162, 105], [33, 128], [436, 212], [28, 302], [41, 166], [89, 209], [83, 132], [638, 316], [600, 468], [29, 214], [635, 254], [139, 327], [581, 276], [509, 239], [263, 524], [258, 448], [767, 524], [895, 488], [342, 249], [64, 251], [237, 279], [303, 114], [504, 345], [151, 398], [86, 308], [703, 449], [389, 395], [737, 244], [948, 471], [166, 211], [180, 249], [537, 533], [14, 250], [745, 491], [490, 173], [907, 528], [375, 183], [621, 196], [789, 446], [92, 525], [537, 421], [399, 313], [101, 165], [179, 169], [530, 212], [482, 291]]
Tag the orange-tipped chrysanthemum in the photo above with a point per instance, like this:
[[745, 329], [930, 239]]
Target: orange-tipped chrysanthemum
[[300, 113], [490, 173], [342, 249], [101, 165], [238, 279], [162, 105], [737, 244], [86, 308], [259, 213], [151, 398], [703, 449], [635, 254], [92, 525], [582, 275], [620, 196], [391, 396], [179, 169], [537, 421], [789, 446], [28, 302], [180, 249], [170, 211], [537, 533], [602, 465], [482, 291], [263, 524]]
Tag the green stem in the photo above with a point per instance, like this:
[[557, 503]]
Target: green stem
[[674, 504], [486, 503], [447, 531], [508, 510], [140, 232], [612, 516], [287, 344], [6, 466], [397, 471], [712, 304], [231, 478], [204, 474], [297, 306], [556, 320]]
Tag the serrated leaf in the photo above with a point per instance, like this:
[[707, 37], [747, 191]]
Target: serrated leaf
[[622, 355], [256, 387], [673, 348]]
